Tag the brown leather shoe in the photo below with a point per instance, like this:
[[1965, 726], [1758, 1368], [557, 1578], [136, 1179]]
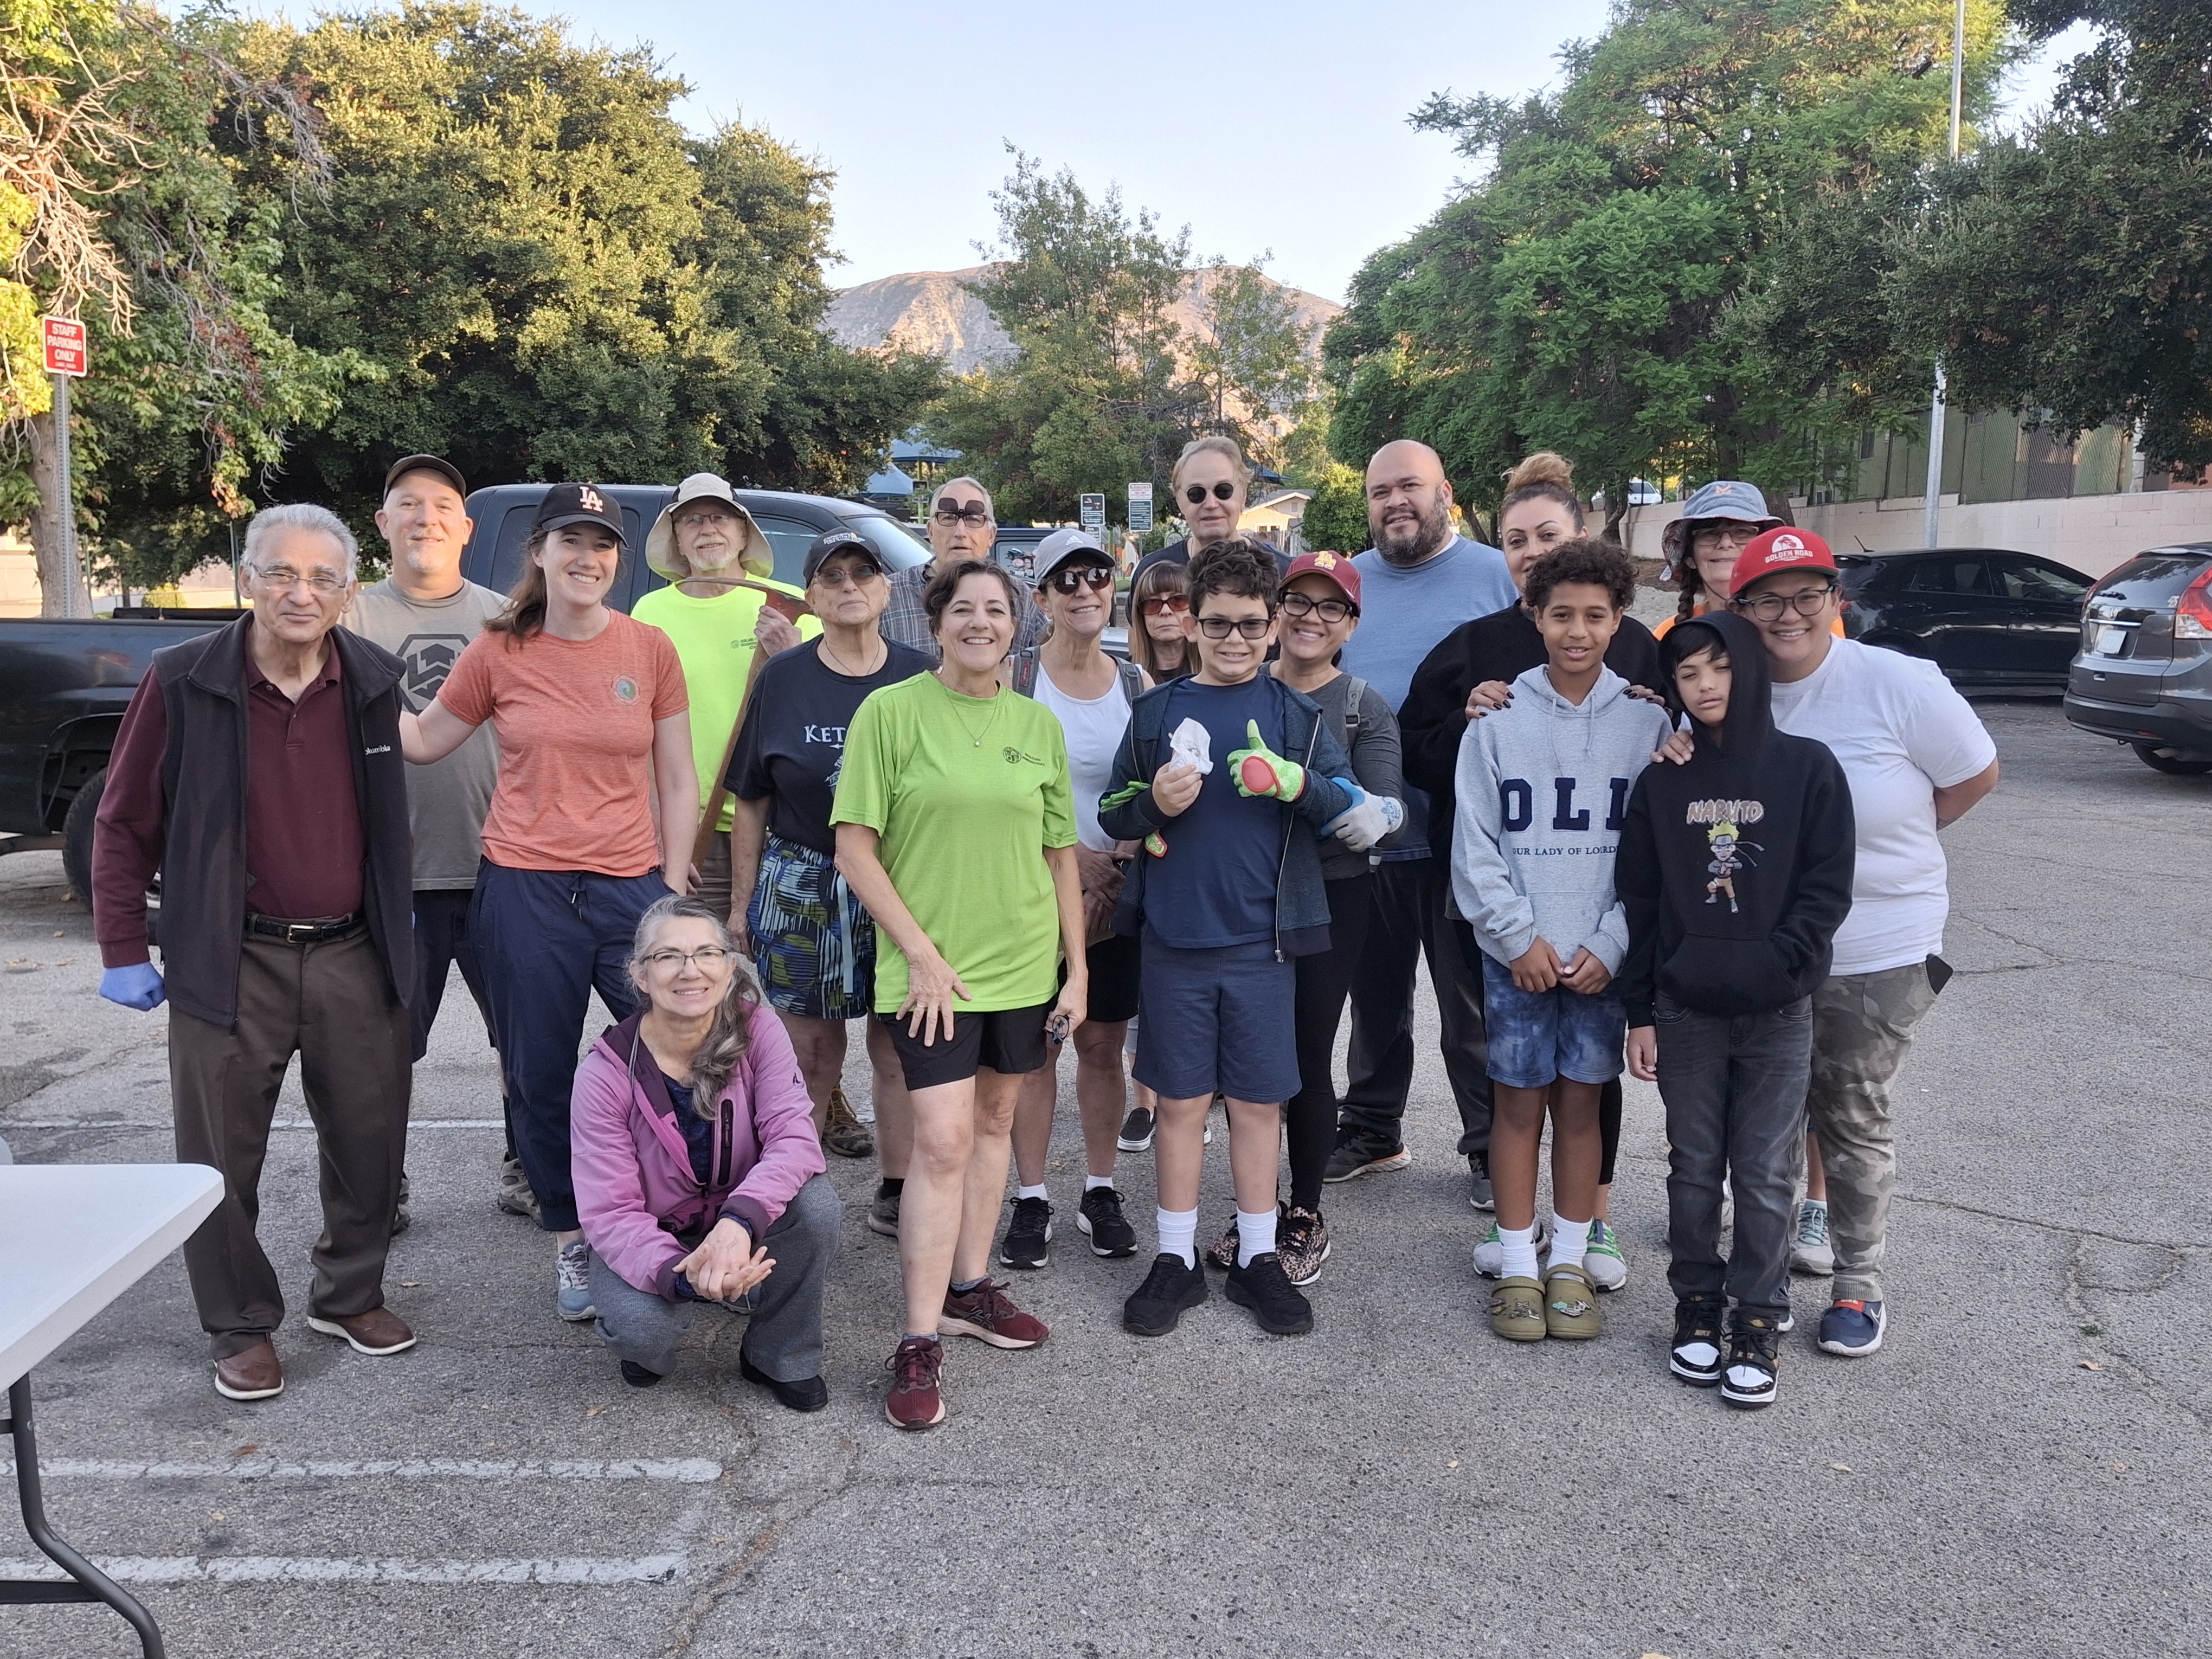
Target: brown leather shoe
[[254, 1375], [379, 1331]]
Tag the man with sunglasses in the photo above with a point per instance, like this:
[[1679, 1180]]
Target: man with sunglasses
[[1917, 758], [961, 526], [1211, 484]]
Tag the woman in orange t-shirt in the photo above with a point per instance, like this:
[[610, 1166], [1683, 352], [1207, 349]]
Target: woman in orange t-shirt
[[594, 732]]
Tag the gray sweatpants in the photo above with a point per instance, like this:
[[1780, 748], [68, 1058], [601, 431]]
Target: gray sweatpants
[[784, 1339]]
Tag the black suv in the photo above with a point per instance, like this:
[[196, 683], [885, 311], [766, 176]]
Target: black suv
[[2144, 674], [1988, 616]]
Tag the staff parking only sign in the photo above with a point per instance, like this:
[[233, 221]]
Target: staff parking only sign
[[66, 348]]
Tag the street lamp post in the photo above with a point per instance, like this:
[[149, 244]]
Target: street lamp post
[[1931, 512]]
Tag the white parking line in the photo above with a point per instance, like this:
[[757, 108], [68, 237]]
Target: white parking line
[[686, 1471], [360, 1569]]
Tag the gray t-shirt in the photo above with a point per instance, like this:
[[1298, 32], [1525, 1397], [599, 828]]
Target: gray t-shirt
[[447, 801], [1375, 762]]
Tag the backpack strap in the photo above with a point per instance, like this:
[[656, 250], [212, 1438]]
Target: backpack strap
[[1354, 695], [1132, 681], [1024, 675]]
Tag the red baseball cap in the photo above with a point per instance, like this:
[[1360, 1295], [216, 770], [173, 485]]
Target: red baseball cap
[[1334, 566], [1783, 548]]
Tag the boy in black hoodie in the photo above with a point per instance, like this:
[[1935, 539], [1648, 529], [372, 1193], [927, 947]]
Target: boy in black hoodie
[[1735, 872]]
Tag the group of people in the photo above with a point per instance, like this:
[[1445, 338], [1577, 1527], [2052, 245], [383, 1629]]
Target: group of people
[[747, 815]]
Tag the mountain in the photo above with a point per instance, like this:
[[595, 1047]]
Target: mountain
[[933, 312]]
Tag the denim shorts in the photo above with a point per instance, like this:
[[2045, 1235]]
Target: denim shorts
[[1217, 1021], [1538, 1037]]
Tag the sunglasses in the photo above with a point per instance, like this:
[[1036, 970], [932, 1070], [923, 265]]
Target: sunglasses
[[1222, 492], [1329, 610], [1163, 605], [847, 575], [1252, 627], [973, 513], [1068, 578]]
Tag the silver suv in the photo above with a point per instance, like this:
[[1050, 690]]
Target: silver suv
[[2144, 675]]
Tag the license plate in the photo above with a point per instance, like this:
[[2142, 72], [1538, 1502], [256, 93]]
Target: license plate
[[2110, 641]]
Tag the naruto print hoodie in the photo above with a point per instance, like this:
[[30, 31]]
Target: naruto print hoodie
[[1735, 869], [1543, 787]]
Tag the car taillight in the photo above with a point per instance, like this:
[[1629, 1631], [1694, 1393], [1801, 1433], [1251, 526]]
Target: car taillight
[[2192, 612]]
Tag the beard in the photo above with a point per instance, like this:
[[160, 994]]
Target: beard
[[1401, 542]]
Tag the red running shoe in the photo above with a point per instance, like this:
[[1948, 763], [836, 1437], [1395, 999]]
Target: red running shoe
[[988, 1313], [914, 1402]]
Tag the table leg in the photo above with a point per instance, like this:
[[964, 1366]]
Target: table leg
[[86, 1583]]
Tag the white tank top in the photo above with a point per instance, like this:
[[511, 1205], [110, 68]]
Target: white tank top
[[1094, 728]]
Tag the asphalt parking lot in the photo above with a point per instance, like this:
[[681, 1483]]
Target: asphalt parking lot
[[2023, 1470]]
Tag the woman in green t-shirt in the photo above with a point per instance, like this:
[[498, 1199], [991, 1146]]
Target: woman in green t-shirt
[[956, 826]]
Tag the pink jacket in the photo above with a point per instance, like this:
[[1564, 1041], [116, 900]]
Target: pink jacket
[[634, 1187]]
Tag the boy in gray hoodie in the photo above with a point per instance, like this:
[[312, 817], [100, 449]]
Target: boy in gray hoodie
[[1543, 788]]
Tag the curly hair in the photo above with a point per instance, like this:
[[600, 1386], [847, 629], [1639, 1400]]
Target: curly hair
[[1237, 565], [1587, 559], [946, 582]]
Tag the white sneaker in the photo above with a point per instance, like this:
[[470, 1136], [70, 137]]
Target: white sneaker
[[1490, 1254], [1810, 1252], [1603, 1260]]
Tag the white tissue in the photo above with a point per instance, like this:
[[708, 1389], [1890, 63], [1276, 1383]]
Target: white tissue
[[1192, 745]]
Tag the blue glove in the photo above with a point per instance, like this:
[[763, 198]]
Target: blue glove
[[138, 986]]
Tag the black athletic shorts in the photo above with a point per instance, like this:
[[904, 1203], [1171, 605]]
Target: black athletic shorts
[[1115, 963], [1007, 1040]]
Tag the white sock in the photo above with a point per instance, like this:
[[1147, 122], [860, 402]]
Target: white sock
[[1519, 1245], [1256, 1236], [1091, 1183], [1570, 1242], [1036, 1191], [1178, 1234]]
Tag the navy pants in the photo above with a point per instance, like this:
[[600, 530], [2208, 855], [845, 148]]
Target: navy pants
[[547, 939]]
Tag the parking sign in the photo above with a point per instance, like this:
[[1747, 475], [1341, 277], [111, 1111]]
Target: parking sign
[[65, 349], [1141, 508], [1092, 512]]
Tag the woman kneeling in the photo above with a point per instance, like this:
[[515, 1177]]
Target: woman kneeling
[[699, 1176]]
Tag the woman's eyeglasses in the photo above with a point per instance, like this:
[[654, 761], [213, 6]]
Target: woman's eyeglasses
[[1068, 578], [1252, 627], [1733, 534], [1768, 607], [1196, 494], [1329, 610], [707, 956]]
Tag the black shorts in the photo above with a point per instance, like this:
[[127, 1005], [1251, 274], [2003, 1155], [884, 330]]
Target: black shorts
[[1006, 1040], [1115, 964]]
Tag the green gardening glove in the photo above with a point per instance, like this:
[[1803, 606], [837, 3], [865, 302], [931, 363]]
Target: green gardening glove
[[1260, 771]]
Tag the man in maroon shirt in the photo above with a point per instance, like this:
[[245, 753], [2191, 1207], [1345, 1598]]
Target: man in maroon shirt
[[258, 771]]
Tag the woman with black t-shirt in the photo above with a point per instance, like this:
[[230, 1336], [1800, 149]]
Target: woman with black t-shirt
[[813, 944]]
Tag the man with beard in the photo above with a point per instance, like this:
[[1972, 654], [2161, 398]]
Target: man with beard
[[1419, 582]]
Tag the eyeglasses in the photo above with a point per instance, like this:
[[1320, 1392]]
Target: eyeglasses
[[1252, 627], [1329, 610], [1222, 492], [1768, 607], [707, 956], [1713, 535], [282, 576], [1068, 578], [974, 513], [1163, 605], [847, 575]]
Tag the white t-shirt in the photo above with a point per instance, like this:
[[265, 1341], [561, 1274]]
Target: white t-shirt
[[1900, 734], [1094, 727]]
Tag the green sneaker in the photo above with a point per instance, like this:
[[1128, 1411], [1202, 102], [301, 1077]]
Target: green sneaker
[[1603, 1260]]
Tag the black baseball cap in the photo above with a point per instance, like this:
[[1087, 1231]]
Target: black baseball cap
[[579, 503], [437, 464], [830, 542]]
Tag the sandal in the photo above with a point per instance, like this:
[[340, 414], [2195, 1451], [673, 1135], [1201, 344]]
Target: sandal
[[1516, 1310], [1570, 1304]]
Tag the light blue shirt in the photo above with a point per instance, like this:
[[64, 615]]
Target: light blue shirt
[[1404, 612]]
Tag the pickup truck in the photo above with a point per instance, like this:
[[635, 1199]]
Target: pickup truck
[[64, 684]]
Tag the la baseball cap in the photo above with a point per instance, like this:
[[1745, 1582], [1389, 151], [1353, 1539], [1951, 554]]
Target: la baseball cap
[[437, 464], [567, 504], [830, 543], [1784, 548], [1334, 566]]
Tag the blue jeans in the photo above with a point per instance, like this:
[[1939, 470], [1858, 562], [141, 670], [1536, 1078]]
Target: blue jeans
[[547, 939], [1536, 1037]]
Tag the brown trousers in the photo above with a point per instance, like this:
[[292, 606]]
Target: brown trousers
[[328, 1004]]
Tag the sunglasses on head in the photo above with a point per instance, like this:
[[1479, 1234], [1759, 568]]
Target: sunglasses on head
[[1069, 577], [951, 513], [1252, 627], [1222, 492], [1163, 605]]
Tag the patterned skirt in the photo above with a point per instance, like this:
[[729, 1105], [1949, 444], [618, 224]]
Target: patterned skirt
[[813, 944]]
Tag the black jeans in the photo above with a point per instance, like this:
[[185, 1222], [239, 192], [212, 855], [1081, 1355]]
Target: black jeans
[[1734, 1089], [1408, 922], [1309, 1116], [441, 938]]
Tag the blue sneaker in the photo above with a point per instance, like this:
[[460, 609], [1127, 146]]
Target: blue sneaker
[[572, 1282], [1853, 1329]]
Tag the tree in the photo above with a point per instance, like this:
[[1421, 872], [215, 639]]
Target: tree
[[1579, 296], [1249, 356], [1336, 518]]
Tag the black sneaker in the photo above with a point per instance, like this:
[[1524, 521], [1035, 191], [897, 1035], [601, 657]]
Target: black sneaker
[[1100, 1217], [1357, 1156], [1480, 1193], [1268, 1291], [1755, 1354], [1155, 1307], [1696, 1355], [636, 1375], [1136, 1131], [1027, 1234]]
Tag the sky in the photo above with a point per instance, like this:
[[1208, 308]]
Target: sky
[[1267, 128]]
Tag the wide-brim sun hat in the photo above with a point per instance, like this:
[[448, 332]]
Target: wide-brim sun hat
[[660, 554], [1723, 498]]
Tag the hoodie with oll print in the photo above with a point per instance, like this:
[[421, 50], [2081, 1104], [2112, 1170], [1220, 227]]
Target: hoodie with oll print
[[1734, 869]]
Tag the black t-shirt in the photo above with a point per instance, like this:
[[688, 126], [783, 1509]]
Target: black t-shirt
[[792, 744]]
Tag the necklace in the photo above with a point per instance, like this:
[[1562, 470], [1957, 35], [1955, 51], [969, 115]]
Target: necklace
[[960, 714], [838, 662]]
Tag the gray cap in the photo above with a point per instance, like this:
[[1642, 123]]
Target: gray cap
[[1068, 547]]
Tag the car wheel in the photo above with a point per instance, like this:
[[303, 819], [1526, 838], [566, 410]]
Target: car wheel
[[2172, 765], [76, 835]]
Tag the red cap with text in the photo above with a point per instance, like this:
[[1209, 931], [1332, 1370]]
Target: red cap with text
[[1784, 548], [1334, 566]]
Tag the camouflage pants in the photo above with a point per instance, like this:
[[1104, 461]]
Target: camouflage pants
[[1861, 1027]]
